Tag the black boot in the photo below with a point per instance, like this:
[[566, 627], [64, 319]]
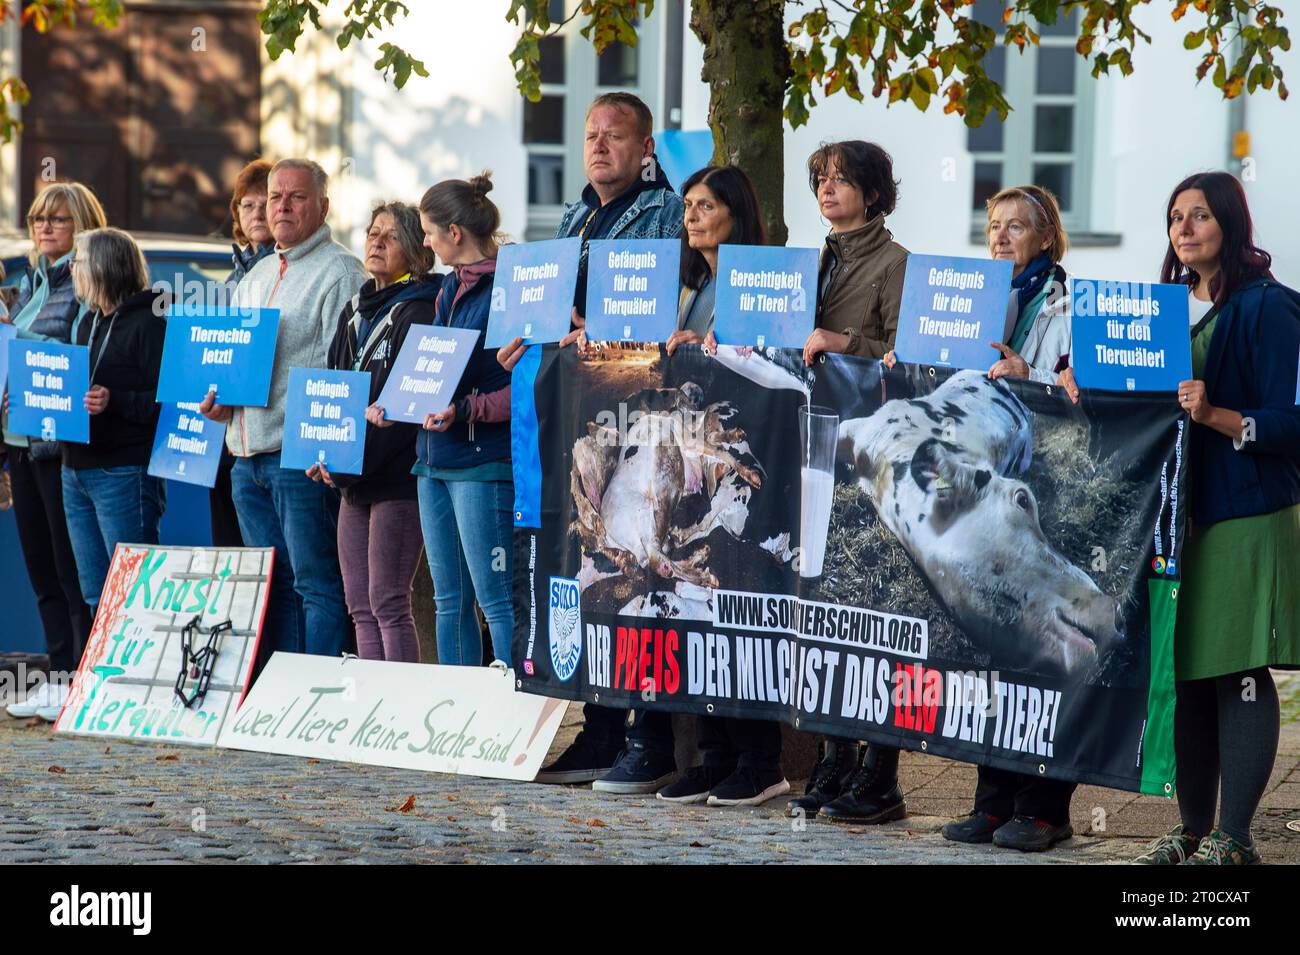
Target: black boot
[[836, 761], [872, 794]]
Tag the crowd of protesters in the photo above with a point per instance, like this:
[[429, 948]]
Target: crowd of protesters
[[348, 546]]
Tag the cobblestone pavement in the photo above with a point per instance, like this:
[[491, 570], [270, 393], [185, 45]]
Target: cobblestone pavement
[[96, 801]]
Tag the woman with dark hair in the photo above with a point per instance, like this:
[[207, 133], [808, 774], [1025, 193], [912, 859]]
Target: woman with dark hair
[[379, 518], [860, 277], [859, 292], [720, 207], [465, 486], [1239, 611], [740, 759], [1239, 603], [249, 225], [251, 230]]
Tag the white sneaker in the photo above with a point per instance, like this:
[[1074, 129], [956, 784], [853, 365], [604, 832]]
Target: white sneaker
[[28, 707], [58, 696]]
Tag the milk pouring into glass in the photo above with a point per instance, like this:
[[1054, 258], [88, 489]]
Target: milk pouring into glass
[[818, 433]]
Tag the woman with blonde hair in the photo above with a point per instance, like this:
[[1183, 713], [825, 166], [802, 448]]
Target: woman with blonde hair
[[47, 308]]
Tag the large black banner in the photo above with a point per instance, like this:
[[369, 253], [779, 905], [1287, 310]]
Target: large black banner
[[921, 557]]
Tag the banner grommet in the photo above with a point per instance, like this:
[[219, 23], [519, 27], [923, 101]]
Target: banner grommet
[[709, 707], [1042, 770], [924, 745]]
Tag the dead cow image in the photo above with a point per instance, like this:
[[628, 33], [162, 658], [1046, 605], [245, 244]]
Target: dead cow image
[[942, 471], [625, 492]]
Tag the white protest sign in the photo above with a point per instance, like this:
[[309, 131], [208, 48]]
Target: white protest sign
[[447, 719], [157, 604]]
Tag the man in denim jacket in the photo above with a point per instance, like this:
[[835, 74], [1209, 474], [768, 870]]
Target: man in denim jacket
[[627, 197]]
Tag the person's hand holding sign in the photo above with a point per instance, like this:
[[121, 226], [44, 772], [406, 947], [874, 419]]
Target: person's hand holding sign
[[1066, 380], [822, 340], [318, 473], [375, 416], [687, 337], [508, 355], [1010, 365], [890, 359], [213, 411], [96, 399], [442, 420]]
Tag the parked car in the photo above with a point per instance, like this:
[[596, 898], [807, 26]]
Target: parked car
[[185, 263]]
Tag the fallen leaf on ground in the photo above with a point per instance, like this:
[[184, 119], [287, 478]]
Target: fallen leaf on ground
[[451, 798], [406, 806], [598, 823], [452, 819], [167, 758], [698, 845], [57, 769], [313, 762]]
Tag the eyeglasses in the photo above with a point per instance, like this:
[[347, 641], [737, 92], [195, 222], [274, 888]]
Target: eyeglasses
[[58, 222], [839, 182]]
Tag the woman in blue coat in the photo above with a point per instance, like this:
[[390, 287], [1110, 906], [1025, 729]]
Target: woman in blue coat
[[1239, 601], [464, 481]]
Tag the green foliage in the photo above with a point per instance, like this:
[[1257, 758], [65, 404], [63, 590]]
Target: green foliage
[[284, 21], [917, 50]]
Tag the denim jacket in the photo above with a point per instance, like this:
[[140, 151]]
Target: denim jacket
[[654, 214]]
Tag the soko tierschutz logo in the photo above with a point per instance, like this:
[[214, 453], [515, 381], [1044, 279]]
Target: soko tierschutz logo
[[565, 628]]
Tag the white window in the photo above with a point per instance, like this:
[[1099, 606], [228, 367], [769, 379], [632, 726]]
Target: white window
[[1047, 138], [572, 76]]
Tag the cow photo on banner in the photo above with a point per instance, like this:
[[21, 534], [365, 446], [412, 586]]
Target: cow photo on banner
[[922, 557]]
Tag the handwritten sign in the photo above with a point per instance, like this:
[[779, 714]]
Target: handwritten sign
[[447, 719], [227, 350], [428, 369], [135, 660], [951, 309], [767, 296], [325, 419], [1130, 336], [532, 292], [632, 287], [48, 382], [186, 445]]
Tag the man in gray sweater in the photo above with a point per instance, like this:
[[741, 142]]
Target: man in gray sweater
[[309, 278]]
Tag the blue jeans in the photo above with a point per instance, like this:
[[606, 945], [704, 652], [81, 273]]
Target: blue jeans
[[285, 509], [105, 507], [468, 537]]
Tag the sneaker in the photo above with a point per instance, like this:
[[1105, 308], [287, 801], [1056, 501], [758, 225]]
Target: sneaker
[[28, 707], [59, 693], [835, 763], [638, 770], [694, 784], [1029, 834], [1172, 848], [1219, 848], [975, 829], [582, 762], [749, 786], [868, 797]]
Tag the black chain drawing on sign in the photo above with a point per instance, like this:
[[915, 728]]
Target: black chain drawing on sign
[[197, 667]]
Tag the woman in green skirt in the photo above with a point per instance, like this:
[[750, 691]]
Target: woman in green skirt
[[1239, 602]]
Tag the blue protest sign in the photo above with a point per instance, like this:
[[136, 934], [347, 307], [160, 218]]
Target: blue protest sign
[[532, 292], [48, 382], [186, 446], [325, 419], [767, 296], [1129, 336], [7, 332], [632, 287], [228, 350], [951, 309], [427, 371]]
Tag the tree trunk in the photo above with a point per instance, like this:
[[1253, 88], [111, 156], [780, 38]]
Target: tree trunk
[[746, 65]]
